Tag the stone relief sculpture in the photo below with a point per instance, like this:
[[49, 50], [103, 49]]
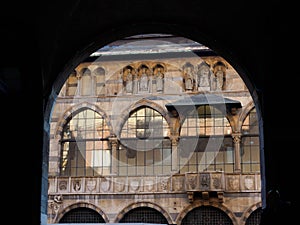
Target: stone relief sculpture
[[55, 205], [163, 184], [216, 181], [148, 185], [135, 185], [105, 184], [233, 183], [178, 183], [91, 184], [249, 182], [77, 185], [63, 185], [204, 181], [191, 181], [119, 184]]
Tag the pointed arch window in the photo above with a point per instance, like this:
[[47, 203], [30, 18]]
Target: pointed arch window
[[85, 149]]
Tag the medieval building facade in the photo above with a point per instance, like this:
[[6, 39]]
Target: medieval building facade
[[167, 137]]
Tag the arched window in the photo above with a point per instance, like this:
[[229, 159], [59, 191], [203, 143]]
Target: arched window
[[250, 161], [85, 150], [82, 215], [206, 215], [100, 81], [205, 141], [145, 148], [255, 217], [144, 215]]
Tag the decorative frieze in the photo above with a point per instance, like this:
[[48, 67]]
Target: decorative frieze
[[188, 182]]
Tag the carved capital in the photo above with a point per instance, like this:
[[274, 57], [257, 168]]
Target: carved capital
[[236, 137], [174, 140], [113, 140]]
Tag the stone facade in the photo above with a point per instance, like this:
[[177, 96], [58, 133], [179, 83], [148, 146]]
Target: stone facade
[[236, 194], [113, 88]]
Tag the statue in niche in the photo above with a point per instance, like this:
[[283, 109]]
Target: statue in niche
[[219, 77], [144, 79], [159, 75], [203, 77], [189, 77], [128, 77]]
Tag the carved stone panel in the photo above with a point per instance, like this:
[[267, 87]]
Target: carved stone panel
[[135, 184], [204, 181], [105, 185], [217, 181], [77, 185], [178, 183], [91, 185], [119, 184], [149, 184], [233, 182], [163, 184], [192, 181], [63, 185], [248, 182]]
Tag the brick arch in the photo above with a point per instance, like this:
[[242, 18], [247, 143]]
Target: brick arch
[[249, 211], [143, 204], [197, 204], [82, 205], [74, 109]]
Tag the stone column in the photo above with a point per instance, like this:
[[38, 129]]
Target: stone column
[[78, 90], [237, 151], [174, 136], [113, 140], [174, 141]]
